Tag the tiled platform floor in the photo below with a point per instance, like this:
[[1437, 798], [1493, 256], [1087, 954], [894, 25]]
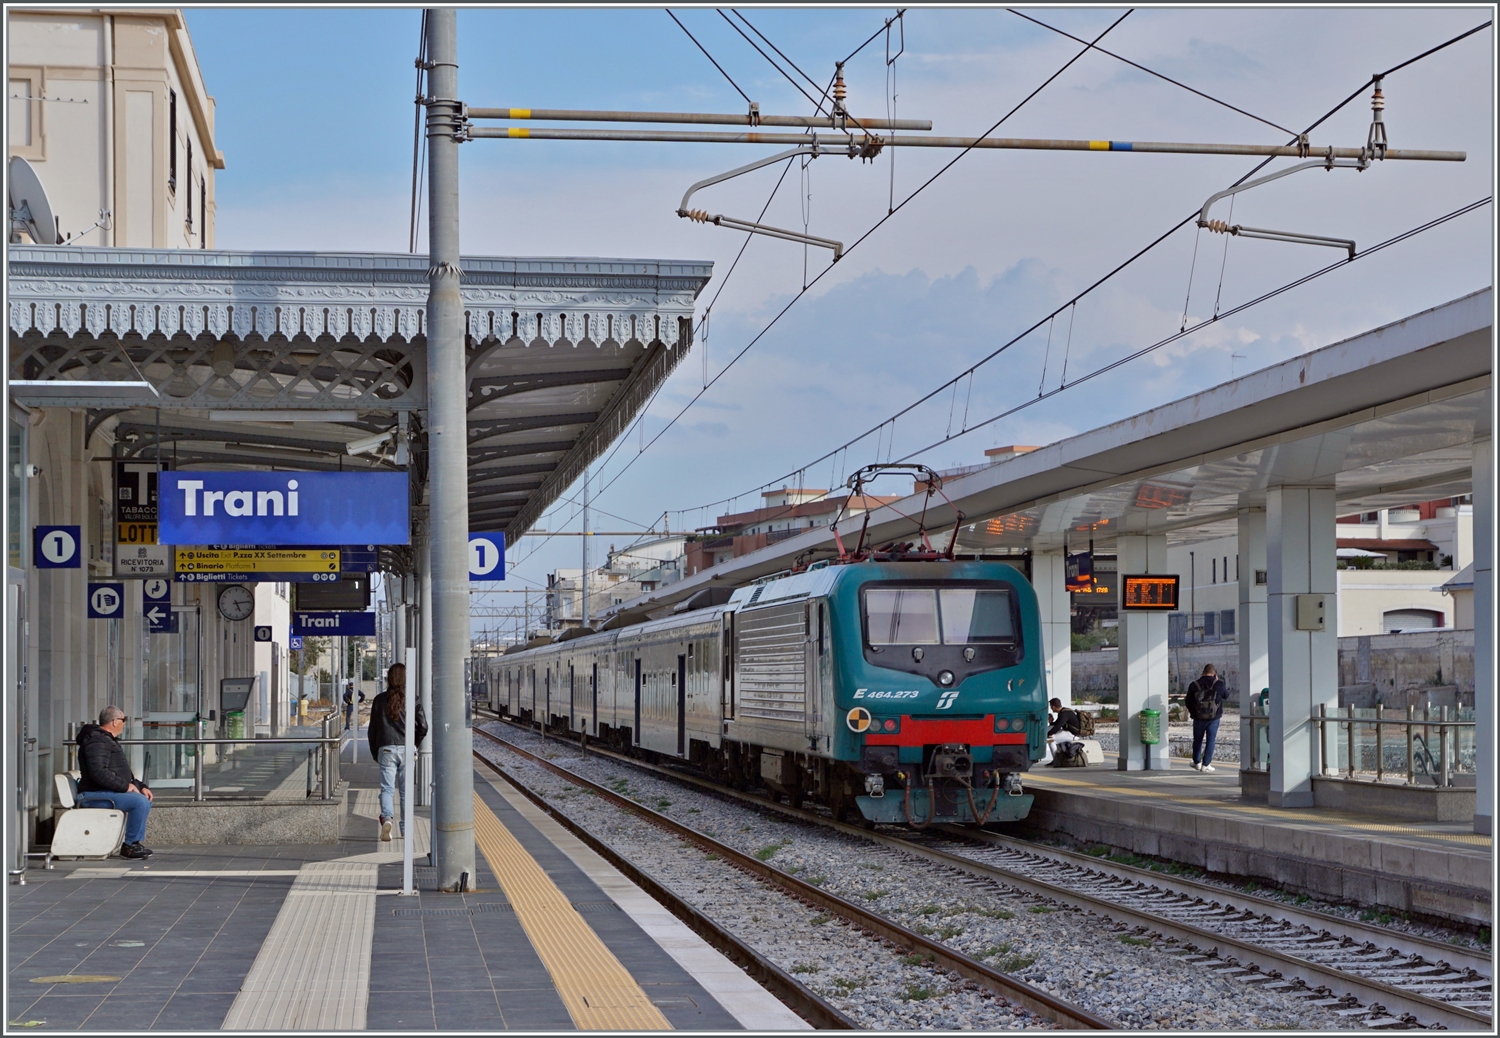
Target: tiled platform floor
[[168, 951]]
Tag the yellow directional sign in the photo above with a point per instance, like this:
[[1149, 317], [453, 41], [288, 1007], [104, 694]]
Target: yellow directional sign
[[197, 559]]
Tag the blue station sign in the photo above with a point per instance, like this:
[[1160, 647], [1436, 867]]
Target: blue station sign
[[487, 556], [320, 624], [284, 508]]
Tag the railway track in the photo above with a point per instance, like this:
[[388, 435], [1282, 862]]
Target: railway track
[[1043, 1004], [1371, 975]]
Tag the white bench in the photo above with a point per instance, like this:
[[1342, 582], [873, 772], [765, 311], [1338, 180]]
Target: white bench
[[83, 832]]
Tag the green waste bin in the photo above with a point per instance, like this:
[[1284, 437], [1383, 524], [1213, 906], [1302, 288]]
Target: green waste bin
[[1151, 727], [234, 723]]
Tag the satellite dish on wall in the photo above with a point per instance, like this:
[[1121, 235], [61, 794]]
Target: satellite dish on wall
[[28, 203]]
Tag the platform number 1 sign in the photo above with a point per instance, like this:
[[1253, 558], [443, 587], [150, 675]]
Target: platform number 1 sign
[[56, 547], [486, 556]]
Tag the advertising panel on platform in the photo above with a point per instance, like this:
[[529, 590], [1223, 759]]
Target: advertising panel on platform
[[284, 508]]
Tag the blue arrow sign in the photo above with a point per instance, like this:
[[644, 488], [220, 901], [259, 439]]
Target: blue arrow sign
[[161, 618]]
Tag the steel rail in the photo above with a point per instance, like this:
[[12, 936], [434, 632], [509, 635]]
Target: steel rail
[[1406, 943], [1370, 992], [856, 140], [748, 119], [802, 1000], [1019, 992]]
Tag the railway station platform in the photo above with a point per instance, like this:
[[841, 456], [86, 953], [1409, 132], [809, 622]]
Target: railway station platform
[[318, 937], [1440, 870]]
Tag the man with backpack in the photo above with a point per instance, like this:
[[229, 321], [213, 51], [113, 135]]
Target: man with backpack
[[1205, 705]]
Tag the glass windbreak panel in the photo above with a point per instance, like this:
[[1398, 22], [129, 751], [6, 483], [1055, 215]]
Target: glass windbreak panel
[[973, 615], [901, 616], [171, 701]]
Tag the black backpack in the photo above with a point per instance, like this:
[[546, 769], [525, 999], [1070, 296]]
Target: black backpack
[[1202, 704], [1069, 755]]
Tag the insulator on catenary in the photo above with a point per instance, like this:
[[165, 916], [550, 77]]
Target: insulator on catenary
[[696, 215], [1217, 226]]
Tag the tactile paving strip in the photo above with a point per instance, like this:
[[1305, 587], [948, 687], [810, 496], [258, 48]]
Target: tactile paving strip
[[599, 992]]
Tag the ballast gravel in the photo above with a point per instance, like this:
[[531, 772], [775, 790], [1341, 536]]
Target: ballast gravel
[[1137, 981]]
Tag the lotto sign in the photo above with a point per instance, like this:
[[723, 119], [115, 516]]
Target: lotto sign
[[106, 601], [487, 556], [135, 502], [143, 560], [57, 547]]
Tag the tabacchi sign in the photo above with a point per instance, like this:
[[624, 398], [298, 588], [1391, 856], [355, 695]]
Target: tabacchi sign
[[284, 508]]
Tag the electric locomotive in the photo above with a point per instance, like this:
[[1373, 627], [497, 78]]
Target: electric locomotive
[[904, 692]]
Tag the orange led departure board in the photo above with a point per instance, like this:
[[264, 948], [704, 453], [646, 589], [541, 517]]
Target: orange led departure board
[[1143, 591]]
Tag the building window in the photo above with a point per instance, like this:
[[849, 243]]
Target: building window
[[190, 185], [1215, 572], [1226, 623], [202, 212]]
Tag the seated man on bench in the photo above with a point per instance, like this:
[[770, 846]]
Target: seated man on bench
[[105, 778]]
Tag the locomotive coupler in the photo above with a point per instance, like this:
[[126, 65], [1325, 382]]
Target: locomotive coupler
[[951, 760]]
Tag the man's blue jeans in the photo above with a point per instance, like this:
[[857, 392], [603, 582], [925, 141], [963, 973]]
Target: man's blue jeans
[[392, 781], [135, 806], [1210, 729]]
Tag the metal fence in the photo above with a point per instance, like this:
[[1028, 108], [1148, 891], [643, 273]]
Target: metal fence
[[1427, 746], [322, 755]]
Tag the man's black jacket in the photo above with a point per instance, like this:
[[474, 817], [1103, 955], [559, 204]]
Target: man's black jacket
[[385, 732], [102, 763]]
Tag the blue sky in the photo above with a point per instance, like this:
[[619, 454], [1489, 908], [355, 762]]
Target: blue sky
[[315, 120]]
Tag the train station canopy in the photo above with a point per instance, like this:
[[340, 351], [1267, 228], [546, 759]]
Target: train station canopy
[[316, 361], [1387, 417]]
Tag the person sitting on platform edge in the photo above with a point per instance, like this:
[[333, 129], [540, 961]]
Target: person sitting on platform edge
[[105, 778], [388, 743], [1205, 705]]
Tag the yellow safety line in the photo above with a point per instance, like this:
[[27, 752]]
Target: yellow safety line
[[1276, 813], [599, 992]]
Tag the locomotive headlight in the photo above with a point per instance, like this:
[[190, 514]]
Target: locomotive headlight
[[1001, 724], [1018, 723], [945, 678], [969, 654], [917, 654]]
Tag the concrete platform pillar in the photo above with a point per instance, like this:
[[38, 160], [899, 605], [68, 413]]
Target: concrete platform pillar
[[1484, 634], [1304, 665], [1254, 668], [1055, 606], [1143, 658]]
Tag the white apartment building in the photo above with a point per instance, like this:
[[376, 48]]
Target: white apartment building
[[110, 109], [626, 573], [1380, 599]]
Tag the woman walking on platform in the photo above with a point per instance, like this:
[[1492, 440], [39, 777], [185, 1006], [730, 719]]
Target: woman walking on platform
[[388, 743]]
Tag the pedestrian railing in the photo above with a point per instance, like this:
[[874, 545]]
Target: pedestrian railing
[[1431, 746], [322, 754]]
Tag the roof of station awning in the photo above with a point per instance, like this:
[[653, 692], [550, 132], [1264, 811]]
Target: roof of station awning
[[1386, 418], [284, 359]]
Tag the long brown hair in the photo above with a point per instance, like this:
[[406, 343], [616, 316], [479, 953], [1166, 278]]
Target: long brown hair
[[395, 693]]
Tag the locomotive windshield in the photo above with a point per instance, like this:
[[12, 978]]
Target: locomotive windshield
[[939, 616]]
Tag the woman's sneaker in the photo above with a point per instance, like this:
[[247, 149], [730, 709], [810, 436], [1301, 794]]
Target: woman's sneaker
[[385, 830]]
